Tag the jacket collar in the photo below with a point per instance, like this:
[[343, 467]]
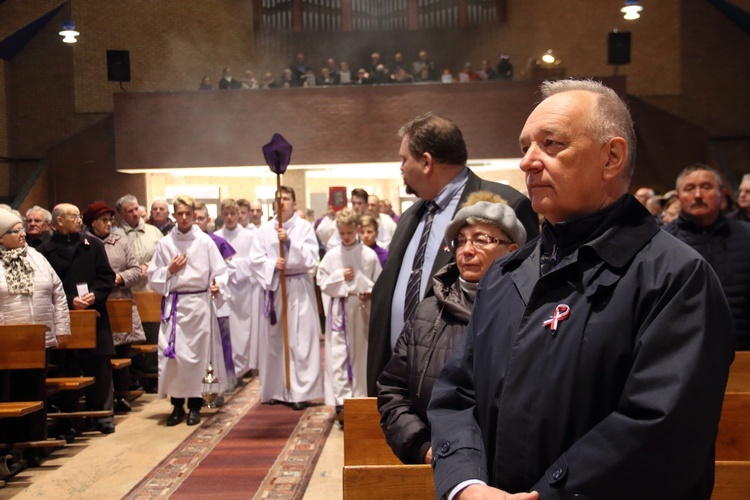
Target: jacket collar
[[447, 290], [686, 224], [111, 238], [127, 228], [631, 227]]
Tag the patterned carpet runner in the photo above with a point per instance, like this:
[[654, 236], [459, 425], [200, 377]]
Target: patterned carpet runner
[[245, 449]]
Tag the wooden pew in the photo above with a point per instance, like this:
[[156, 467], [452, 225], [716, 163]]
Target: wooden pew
[[739, 373], [143, 348], [733, 440], [149, 306], [364, 446], [371, 470], [120, 313], [733, 448], [82, 336], [732, 480], [23, 348], [149, 310], [371, 482], [364, 443]]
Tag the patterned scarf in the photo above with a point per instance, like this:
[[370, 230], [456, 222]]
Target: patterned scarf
[[19, 273]]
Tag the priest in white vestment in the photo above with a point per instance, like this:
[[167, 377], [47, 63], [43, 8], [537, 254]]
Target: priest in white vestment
[[300, 256], [187, 269]]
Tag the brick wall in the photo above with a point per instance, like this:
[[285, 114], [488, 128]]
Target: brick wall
[[82, 170], [577, 32], [683, 58]]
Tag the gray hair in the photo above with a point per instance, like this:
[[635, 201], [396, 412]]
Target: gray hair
[[45, 213], [745, 177], [612, 115], [128, 199], [694, 168]]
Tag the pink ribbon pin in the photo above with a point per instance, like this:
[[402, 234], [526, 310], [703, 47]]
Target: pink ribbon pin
[[562, 312]]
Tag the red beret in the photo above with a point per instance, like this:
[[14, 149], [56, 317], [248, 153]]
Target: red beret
[[94, 211]]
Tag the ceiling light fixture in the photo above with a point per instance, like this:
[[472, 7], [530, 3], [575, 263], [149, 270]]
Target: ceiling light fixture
[[69, 32], [549, 58], [631, 10]]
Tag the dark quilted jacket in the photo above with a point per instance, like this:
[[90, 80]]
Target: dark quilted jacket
[[726, 246], [405, 386]]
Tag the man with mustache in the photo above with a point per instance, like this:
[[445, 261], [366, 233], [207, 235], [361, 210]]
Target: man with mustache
[[723, 242]]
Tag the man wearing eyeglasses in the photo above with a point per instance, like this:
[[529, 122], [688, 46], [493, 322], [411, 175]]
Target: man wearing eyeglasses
[[433, 166], [82, 265], [596, 357]]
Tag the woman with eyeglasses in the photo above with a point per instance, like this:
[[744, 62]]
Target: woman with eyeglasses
[[483, 230], [97, 217], [30, 292]]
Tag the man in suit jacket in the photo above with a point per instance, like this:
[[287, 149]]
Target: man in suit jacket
[[433, 165], [81, 262]]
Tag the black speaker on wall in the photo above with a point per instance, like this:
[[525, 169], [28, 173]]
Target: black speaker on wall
[[118, 65], [618, 48]]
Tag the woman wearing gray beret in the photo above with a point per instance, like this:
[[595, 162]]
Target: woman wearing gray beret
[[483, 230]]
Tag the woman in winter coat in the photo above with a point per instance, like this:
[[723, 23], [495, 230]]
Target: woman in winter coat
[[98, 219], [483, 230], [30, 292]]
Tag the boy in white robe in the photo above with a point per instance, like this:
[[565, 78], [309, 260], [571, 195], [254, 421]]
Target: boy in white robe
[[186, 269], [346, 274], [303, 326], [246, 300]]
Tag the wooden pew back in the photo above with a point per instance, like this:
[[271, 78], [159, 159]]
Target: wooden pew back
[[370, 482], [371, 470], [120, 315], [732, 481], [733, 440], [739, 373], [22, 347], [364, 442], [82, 330], [149, 306]]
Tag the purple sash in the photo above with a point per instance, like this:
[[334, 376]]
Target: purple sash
[[343, 331], [172, 316], [268, 310], [268, 298]]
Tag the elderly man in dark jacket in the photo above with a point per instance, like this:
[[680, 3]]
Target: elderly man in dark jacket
[[723, 242], [596, 358], [81, 260]]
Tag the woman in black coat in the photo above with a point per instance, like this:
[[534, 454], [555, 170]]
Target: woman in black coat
[[483, 230]]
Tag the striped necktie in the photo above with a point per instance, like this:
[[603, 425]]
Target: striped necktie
[[415, 278]]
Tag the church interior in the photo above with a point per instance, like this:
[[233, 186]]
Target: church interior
[[119, 112]]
